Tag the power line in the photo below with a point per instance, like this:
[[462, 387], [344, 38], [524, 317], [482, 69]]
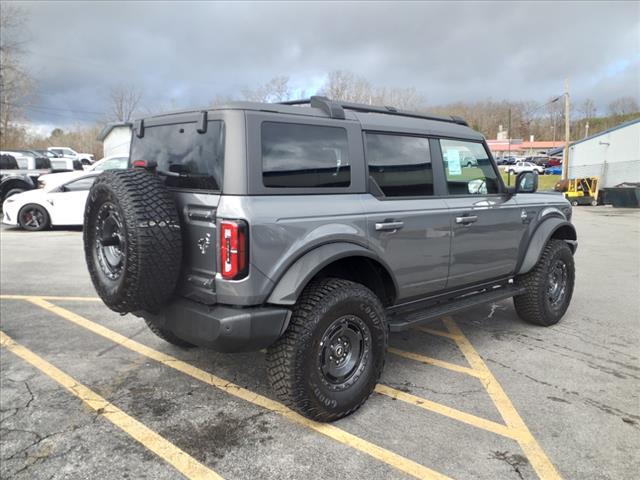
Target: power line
[[43, 107]]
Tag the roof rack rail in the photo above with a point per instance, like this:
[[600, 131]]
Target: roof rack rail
[[335, 109]]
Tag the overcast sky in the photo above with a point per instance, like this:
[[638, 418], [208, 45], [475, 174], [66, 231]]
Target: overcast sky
[[184, 54]]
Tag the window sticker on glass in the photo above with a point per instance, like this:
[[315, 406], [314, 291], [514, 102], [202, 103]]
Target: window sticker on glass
[[453, 162]]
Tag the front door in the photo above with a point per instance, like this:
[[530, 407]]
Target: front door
[[69, 200], [487, 225], [407, 226]]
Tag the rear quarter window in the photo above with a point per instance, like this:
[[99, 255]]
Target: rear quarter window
[[7, 162], [197, 159], [42, 163], [302, 155]]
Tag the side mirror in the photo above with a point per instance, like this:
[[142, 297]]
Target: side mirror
[[527, 182]]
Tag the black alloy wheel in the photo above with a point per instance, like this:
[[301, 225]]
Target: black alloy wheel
[[343, 352], [33, 218], [110, 241]]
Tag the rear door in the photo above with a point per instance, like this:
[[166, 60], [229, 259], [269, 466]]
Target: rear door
[[486, 223], [191, 162], [407, 226]]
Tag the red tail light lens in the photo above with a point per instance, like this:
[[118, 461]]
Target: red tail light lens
[[234, 249]]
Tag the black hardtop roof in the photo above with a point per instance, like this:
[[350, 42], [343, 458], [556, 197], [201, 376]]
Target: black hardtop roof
[[370, 117]]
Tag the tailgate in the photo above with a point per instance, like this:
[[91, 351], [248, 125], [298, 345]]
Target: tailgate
[[199, 243]]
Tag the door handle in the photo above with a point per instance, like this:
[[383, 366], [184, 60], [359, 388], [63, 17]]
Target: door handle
[[467, 219], [386, 226]]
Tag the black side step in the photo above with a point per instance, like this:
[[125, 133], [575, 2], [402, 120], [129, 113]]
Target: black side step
[[402, 321]]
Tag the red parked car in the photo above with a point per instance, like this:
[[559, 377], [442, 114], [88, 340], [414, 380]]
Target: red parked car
[[553, 162]]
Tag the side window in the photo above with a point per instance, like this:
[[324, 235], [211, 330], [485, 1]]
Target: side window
[[79, 185], [400, 165], [308, 156], [468, 169], [42, 163]]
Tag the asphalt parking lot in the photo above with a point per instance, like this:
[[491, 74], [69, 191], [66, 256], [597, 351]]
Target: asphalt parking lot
[[87, 393]]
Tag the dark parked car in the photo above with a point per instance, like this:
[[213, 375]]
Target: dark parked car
[[506, 160]]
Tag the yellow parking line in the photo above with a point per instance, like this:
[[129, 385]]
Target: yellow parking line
[[49, 297], [439, 333], [538, 459], [166, 450], [434, 361], [390, 458], [453, 413]]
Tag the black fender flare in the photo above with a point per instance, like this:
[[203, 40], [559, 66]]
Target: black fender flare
[[541, 236], [10, 182], [289, 287]]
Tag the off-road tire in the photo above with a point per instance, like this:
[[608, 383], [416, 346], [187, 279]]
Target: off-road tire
[[150, 246], [42, 225], [293, 361], [534, 306], [167, 336]]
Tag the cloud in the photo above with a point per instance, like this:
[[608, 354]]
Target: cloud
[[185, 54]]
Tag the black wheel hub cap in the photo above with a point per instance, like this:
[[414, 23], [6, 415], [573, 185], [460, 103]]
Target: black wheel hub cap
[[344, 349], [557, 286], [33, 218], [110, 241]]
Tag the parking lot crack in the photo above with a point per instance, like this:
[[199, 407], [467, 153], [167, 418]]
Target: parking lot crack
[[15, 410], [409, 387], [515, 461]]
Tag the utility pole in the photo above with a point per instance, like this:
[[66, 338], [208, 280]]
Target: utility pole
[[567, 131], [509, 146]]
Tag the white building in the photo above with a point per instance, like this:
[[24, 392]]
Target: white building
[[612, 155], [116, 139]]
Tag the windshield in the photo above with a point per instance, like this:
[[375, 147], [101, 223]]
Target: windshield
[[179, 148], [119, 163]]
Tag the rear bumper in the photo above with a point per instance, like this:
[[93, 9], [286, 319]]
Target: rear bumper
[[220, 327]]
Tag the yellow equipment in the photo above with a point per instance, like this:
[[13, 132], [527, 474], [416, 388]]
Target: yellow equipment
[[582, 191]]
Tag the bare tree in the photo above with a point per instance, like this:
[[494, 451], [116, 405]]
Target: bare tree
[[15, 82], [124, 102], [221, 99], [587, 109], [275, 90], [623, 106], [345, 86]]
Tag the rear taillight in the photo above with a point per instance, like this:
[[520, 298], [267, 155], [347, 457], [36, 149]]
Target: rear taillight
[[234, 249]]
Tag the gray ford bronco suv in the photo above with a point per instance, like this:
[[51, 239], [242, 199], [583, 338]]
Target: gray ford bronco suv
[[314, 228]]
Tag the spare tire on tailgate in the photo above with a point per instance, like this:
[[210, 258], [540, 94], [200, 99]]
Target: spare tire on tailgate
[[132, 240]]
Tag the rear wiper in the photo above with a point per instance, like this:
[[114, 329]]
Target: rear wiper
[[152, 166], [167, 173]]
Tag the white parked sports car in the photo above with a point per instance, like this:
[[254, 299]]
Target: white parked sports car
[[58, 203]]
